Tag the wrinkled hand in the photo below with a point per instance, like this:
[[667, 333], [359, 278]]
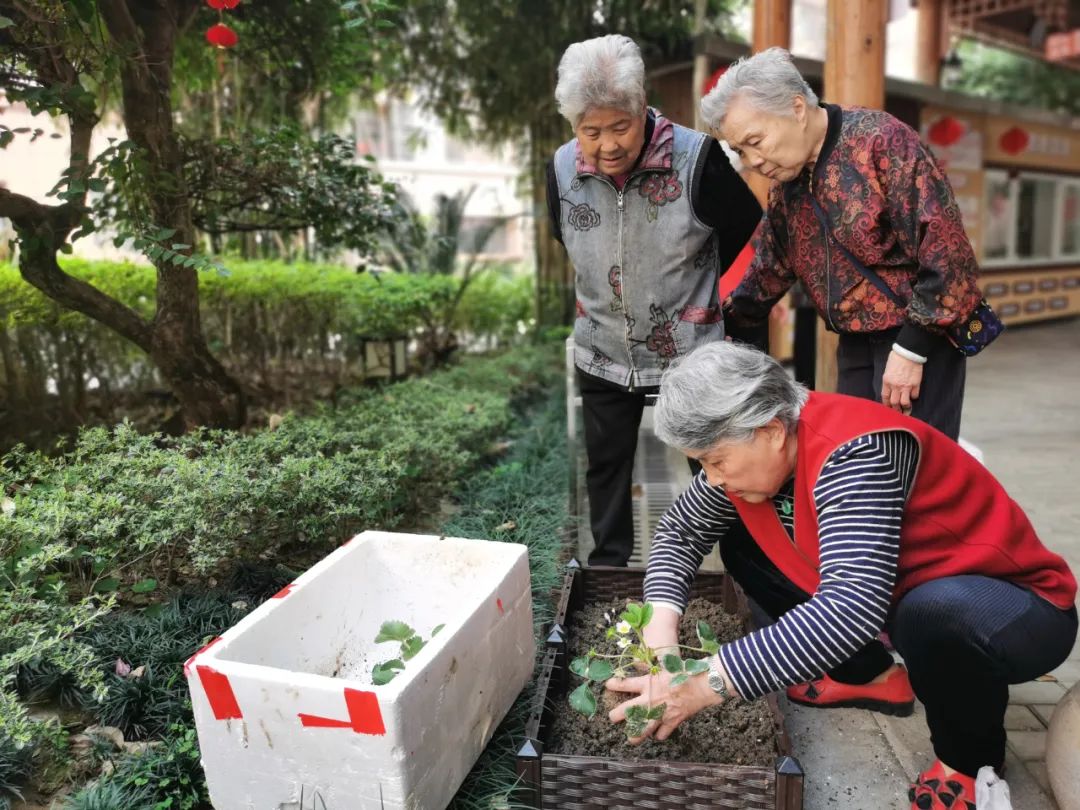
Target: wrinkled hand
[[662, 633], [900, 383], [682, 702]]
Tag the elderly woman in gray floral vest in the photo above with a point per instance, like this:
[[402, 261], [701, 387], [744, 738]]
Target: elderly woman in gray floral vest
[[651, 214]]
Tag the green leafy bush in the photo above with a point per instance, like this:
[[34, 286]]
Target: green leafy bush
[[164, 777], [16, 747]]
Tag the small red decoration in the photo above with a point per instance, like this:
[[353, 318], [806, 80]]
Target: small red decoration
[[946, 131], [1014, 141], [712, 80], [221, 36], [220, 4]]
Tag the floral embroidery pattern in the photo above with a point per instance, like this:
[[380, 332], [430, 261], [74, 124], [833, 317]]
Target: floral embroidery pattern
[[600, 359], [661, 339], [583, 217], [614, 279], [663, 188], [709, 256]]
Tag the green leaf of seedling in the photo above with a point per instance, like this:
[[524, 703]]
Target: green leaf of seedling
[[394, 631], [144, 586], [679, 680], [580, 667], [657, 712], [438, 627], [600, 670], [696, 666], [705, 633], [583, 700], [384, 673], [646, 615], [411, 646], [108, 585], [609, 633], [711, 647], [637, 717], [673, 664], [632, 615]]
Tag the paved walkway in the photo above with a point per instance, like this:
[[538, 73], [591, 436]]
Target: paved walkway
[[1022, 409]]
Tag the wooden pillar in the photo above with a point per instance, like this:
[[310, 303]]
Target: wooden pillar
[[772, 28], [928, 41], [854, 75], [772, 24]]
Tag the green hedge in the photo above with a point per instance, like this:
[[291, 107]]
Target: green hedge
[[266, 321]]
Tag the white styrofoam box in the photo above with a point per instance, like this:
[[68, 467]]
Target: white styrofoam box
[[288, 717]]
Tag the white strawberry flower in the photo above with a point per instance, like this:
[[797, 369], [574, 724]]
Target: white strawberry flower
[[623, 628], [623, 643]]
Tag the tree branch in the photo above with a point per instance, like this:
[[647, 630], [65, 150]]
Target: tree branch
[[42, 229]]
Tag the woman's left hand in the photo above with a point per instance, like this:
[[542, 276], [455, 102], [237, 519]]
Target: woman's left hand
[[900, 383], [682, 701]]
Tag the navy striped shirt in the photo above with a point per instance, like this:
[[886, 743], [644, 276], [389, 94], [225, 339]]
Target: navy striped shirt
[[859, 498]]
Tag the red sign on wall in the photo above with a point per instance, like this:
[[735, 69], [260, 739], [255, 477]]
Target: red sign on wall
[[1063, 46]]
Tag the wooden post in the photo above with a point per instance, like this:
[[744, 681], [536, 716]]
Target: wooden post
[[772, 29], [789, 784], [928, 47], [854, 75], [772, 24]]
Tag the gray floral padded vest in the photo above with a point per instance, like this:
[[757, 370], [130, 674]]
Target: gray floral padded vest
[[646, 268]]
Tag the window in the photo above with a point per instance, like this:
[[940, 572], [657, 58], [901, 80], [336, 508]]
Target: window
[[1029, 219], [998, 218], [1035, 219], [1070, 221]]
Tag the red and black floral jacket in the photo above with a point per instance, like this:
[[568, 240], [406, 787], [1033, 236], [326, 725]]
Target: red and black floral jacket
[[891, 206]]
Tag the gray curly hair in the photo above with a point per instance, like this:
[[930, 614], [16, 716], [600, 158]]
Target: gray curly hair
[[723, 392], [601, 72], [769, 80]]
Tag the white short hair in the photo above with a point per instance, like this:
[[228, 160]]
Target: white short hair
[[769, 80], [602, 72], [723, 392]]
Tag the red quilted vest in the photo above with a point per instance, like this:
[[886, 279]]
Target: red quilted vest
[[958, 518]]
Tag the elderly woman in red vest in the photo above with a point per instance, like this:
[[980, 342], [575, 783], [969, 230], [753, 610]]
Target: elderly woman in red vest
[[841, 518]]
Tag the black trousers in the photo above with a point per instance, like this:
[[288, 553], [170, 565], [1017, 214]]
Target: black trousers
[[860, 362], [964, 639], [611, 417]]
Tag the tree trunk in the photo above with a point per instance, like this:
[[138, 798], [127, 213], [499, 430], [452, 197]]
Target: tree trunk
[[207, 395], [554, 273]]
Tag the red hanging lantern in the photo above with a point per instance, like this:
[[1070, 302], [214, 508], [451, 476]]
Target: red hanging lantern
[[946, 131], [1014, 141], [222, 4], [221, 36]]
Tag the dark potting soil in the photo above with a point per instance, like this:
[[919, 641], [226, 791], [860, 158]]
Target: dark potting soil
[[738, 732]]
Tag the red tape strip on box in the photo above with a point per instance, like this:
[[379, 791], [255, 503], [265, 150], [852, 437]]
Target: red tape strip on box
[[219, 692], [365, 717]]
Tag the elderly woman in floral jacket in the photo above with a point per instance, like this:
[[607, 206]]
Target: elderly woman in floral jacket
[[888, 206], [650, 213]]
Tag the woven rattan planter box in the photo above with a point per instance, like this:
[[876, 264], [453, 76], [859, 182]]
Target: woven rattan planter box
[[564, 782]]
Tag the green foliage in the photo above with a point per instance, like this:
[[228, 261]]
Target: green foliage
[[1002, 75], [17, 736], [164, 777], [263, 319], [283, 180], [527, 490], [120, 505], [411, 643]]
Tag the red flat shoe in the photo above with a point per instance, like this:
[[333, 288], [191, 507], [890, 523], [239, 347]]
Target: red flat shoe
[[933, 790], [893, 696]]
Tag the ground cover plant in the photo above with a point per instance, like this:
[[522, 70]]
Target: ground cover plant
[[129, 552]]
